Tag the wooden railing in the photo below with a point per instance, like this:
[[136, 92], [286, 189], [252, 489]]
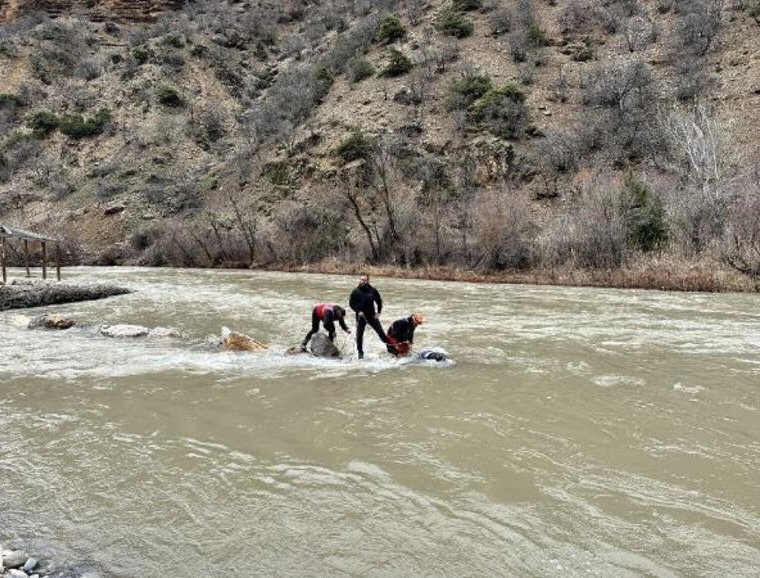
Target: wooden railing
[[26, 236]]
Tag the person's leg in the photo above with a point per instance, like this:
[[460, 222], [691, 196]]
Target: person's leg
[[361, 323], [314, 329], [375, 324], [330, 326]]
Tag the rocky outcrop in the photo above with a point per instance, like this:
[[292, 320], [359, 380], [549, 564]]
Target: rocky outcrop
[[120, 10], [21, 294]]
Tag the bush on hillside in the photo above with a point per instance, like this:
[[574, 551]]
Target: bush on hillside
[[645, 215], [501, 111], [42, 123], [391, 30], [169, 96], [76, 126], [454, 23], [356, 146], [359, 69], [398, 65], [466, 5], [466, 90]]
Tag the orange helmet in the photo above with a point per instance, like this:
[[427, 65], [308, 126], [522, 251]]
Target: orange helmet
[[417, 318]]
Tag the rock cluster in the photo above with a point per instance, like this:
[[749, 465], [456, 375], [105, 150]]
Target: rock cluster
[[19, 564]]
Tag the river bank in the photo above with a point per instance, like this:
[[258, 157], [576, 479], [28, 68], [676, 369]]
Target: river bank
[[20, 294], [658, 274]]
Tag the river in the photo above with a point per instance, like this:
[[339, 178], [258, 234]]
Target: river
[[577, 432]]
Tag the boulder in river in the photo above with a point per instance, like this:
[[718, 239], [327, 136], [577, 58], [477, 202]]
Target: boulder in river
[[14, 558], [234, 341], [53, 321], [321, 346]]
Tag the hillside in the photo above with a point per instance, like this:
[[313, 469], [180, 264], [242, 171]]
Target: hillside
[[613, 137]]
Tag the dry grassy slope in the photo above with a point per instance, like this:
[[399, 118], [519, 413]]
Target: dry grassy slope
[[122, 10], [148, 141]]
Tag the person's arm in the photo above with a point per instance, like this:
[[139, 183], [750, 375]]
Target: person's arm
[[379, 301], [342, 322], [353, 301]]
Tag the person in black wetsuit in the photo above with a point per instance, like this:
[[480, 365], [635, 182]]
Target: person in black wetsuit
[[328, 315], [401, 334], [362, 301]]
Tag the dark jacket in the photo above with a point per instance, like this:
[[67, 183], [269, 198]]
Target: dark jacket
[[363, 300], [402, 330]]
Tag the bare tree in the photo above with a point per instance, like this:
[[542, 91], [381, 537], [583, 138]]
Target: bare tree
[[706, 162]]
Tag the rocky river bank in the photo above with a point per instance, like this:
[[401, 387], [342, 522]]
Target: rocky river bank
[[19, 564], [20, 294]]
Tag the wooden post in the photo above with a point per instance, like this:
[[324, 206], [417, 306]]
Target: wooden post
[[2, 250], [26, 256], [44, 261], [58, 260]]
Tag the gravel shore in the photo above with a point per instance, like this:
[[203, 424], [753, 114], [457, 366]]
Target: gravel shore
[[19, 294]]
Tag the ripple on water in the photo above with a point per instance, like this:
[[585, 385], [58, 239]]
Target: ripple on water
[[688, 389], [618, 381]]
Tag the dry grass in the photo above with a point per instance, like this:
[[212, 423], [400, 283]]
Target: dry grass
[[658, 274]]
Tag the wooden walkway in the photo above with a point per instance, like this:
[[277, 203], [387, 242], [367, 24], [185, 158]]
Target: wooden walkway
[[7, 232]]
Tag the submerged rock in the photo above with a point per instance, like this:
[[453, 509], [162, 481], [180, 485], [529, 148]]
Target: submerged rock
[[53, 321], [125, 330]]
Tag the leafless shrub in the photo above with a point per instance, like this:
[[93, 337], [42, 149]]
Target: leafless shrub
[[598, 234], [577, 18], [639, 33], [626, 85], [692, 79], [207, 125], [414, 11], [305, 232], [500, 21], [741, 243], [90, 68], [506, 235], [60, 47], [708, 167], [700, 24]]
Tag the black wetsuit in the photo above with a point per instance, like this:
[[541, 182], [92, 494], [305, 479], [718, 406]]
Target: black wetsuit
[[401, 330], [327, 315], [362, 301]]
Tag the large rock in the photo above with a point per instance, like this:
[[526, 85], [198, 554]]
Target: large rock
[[321, 346], [234, 341], [14, 558], [50, 322]]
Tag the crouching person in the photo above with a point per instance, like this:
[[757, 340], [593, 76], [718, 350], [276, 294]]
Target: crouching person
[[326, 314], [401, 334]]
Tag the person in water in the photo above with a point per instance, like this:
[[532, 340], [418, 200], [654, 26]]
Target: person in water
[[363, 300], [401, 334], [328, 315]]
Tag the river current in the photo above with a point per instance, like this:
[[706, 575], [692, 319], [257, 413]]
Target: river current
[[576, 432]]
